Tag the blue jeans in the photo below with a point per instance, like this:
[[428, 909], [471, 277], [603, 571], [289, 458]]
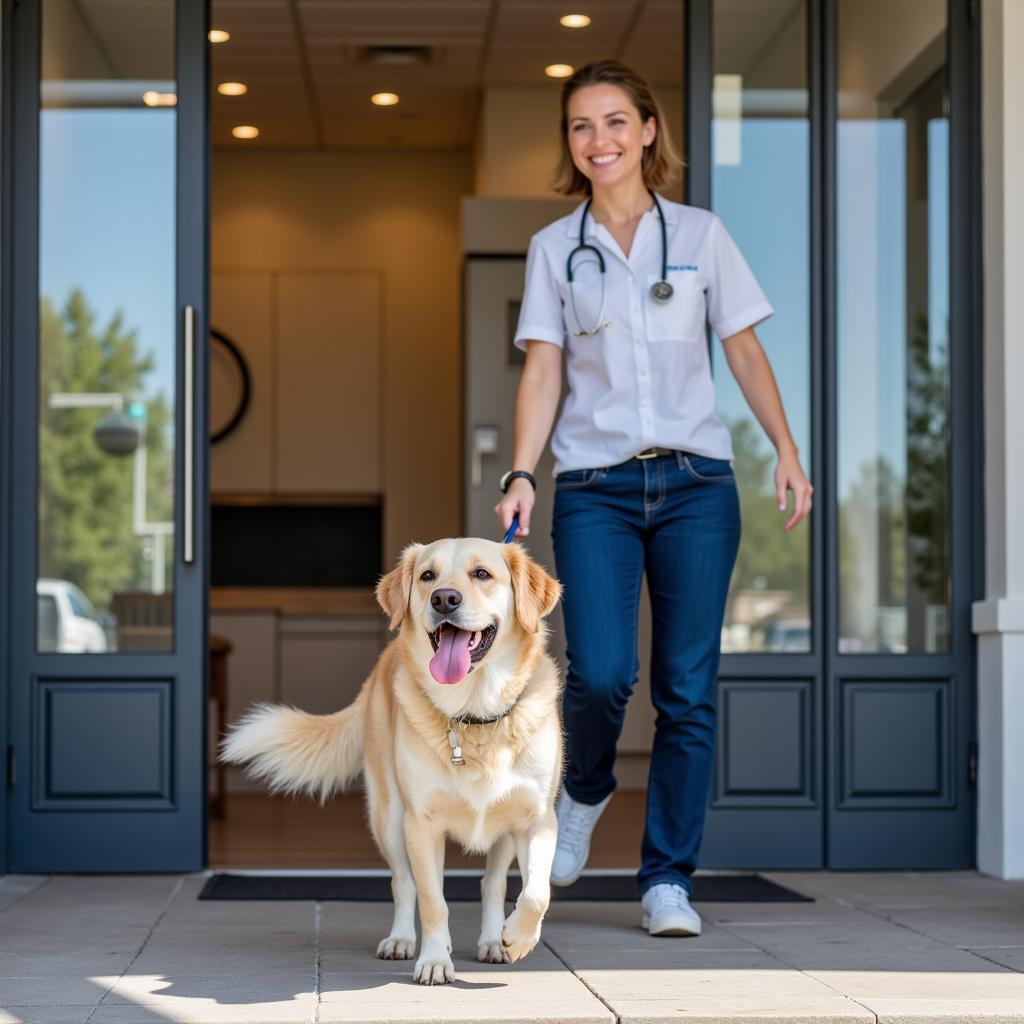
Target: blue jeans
[[678, 518]]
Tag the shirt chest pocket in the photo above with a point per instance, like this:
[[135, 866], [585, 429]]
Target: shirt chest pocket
[[682, 317]]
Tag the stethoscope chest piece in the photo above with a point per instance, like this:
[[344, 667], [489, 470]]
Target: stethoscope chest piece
[[661, 291]]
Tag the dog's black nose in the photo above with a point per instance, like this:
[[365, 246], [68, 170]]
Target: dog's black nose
[[445, 599]]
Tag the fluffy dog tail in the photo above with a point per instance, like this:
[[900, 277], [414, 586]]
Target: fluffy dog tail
[[299, 753]]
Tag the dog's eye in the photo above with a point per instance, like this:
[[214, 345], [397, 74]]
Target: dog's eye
[[481, 574], [427, 575]]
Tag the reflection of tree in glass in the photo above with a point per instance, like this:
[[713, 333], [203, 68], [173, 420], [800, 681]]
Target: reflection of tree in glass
[[927, 457], [85, 495], [893, 532], [872, 561], [769, 558]]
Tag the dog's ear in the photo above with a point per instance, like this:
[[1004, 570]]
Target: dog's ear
[[536, 592], [394, 589]]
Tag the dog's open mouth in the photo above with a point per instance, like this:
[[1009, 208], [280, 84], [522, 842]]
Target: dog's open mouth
[[456, 651]]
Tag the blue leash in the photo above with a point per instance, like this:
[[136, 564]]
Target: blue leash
[[512, 529]]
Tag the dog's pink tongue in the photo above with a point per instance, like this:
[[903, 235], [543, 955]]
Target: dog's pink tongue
[[451, 662]]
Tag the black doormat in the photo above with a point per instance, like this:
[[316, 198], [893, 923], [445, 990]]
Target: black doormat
[[743, 888]]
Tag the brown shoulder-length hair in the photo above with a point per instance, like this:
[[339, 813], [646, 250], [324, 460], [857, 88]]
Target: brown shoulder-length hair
[[660, 163]]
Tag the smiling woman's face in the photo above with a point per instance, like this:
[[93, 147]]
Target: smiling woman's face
[[606, 136]]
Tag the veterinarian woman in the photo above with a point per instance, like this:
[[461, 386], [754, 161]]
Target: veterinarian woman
[[621, 289]]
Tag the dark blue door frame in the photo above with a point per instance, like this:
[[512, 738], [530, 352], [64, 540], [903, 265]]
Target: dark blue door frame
[[840, 837], [163, 830]]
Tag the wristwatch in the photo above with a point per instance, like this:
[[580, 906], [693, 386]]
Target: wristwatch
[[508, 477]]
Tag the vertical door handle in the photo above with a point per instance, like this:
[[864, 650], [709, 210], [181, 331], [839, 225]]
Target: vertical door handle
[[188, 538]]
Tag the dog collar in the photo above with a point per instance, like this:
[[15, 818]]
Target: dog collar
[[473, 720], [454, 724]]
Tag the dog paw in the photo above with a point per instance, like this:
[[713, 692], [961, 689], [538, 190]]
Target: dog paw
[[434, 971], [393, 948], [519, 936], [491, 951]]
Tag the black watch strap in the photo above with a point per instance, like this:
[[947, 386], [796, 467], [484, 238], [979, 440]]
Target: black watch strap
[[510, 476]]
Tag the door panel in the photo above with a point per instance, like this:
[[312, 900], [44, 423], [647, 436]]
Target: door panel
[[766, 756], [108, 578]]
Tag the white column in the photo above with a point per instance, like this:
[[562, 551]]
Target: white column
[[999, 618]]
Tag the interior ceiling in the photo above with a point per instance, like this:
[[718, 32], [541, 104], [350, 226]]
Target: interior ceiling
[[308, 87]]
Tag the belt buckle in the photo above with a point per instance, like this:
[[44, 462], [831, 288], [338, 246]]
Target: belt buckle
[[647, 453]]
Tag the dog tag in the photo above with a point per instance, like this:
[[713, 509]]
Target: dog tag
[[453, 742]]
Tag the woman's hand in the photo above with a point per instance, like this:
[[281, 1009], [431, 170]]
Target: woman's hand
[[789, 476], [518, 498]]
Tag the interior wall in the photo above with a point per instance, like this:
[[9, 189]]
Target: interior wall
[[875, 38], [394, 213], [516, 146]]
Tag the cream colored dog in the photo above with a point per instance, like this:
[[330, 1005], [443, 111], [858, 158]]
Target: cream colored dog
[[458, 733]]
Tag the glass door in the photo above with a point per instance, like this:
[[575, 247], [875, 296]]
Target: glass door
[[108, 367], [899, 648], [834, 135], [767, 800]]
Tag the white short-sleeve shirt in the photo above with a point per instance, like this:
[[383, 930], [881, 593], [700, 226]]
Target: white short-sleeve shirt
[[645, 381]]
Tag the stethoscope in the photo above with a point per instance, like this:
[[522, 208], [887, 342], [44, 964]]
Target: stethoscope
[[661, 291]]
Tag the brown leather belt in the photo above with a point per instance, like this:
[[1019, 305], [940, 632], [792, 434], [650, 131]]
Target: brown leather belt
[[653, 453]]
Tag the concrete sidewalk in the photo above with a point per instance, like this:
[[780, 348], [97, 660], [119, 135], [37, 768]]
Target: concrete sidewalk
[[944, 947]]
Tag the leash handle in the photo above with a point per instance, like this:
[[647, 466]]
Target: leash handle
[[510, 535]]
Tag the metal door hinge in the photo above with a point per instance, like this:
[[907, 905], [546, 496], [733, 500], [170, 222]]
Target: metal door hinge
[[972, 763], [11, 767]]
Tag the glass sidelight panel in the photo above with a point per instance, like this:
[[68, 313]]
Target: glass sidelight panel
[[761, 190], [893, 326], [107, 142]]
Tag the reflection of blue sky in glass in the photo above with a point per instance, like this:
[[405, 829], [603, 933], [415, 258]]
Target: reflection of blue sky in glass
[[764, 203], [107, 222], [871, 314], [938, 239], [872, 277]]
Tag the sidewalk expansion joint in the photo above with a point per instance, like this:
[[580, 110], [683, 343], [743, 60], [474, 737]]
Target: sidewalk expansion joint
[[793, 967], [316, 962], [590, 988], [878, 916], [145, 942]]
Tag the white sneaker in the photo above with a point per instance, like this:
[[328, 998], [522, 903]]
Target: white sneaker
[[667, 911], [575, 824]]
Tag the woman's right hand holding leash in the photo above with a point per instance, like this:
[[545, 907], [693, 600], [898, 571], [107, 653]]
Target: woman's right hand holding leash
[[518, 498]]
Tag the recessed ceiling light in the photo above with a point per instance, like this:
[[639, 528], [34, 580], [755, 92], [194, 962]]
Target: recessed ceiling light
[[152, 98], [559, 70], [232, 89], [384, 99], [218, 35], [574, 20], [245, 131]]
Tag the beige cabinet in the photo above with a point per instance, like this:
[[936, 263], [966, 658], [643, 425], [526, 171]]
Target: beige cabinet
[[313, 662], [325, 659], [313, 344]]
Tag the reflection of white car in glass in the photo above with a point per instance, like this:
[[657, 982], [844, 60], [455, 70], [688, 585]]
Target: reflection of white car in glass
[[66, 620], [789, 635]]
